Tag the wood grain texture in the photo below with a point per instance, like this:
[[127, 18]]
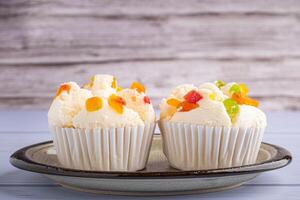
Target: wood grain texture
[[162, 43], [277, 89]]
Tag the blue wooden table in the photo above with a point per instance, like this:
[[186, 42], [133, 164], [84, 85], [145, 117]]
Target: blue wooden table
[[22, 128]]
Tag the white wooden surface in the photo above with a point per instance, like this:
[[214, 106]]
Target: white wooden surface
[[159, 42], [21, 128]]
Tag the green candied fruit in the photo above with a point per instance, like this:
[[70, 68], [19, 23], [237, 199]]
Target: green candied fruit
[[232, 108], [235, 88], [220, 83]]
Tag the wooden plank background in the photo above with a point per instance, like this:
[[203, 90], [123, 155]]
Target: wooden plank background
[[159, 42]]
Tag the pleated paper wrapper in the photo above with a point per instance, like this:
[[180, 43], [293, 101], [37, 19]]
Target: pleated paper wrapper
[[196, 147], [108, 149]]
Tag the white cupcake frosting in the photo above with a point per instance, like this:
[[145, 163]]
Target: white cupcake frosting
[[211, 110], [136, 101], [101, 85], [106, 117], [66, 105], [250, 116], [69, 108]]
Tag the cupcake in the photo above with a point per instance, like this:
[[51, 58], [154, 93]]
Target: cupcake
[[215, 125], [102, 127]]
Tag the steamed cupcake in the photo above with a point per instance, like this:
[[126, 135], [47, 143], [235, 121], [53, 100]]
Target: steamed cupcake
[[214, 125], [101, 126]]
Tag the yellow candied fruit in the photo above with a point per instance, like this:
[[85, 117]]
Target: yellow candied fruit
[[138, 86], [244, 89], [114, 83], [119, 89], [93, 104], [62, 88], [116, 103], [173, 102], [212, 96]]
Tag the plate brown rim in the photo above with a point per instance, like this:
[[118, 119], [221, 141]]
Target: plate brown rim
[[21, 161]]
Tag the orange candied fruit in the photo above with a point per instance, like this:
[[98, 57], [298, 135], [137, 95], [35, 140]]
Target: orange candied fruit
[[138, 86], [251, 102], [116, 103], [114, 83], [187, 106], [173, 102], [62, 88], [93, 104], [244, 100]]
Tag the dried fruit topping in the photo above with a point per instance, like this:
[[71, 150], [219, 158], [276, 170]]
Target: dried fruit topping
[[173, 102], [244, 89], [139, 87], [193, 96], [116, 103], [220, 83], [242, 98], [147, 100], [212, 96], [119, 89], [62, 88], [93, 104], [232, 108], [245, 100], [235, 88], [237, 97], [114, 83], [187, 106]]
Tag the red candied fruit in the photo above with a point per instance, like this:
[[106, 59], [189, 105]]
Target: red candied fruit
[[193, 96], [147, 100]]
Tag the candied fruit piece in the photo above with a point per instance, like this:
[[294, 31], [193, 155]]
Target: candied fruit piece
[[187, 106], [114, 83], [251, 102], [173, 102], [237, 97], [138, 86], [235, 88], [119, 89], [244, 89], [212, 96], [116, 103], [232, 108], [147, 100], [62, 88], [93, 104], [244, 100], [219, 83], [193, 96]]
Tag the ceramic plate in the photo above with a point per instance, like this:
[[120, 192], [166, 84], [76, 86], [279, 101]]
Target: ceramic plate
[[157, 179]]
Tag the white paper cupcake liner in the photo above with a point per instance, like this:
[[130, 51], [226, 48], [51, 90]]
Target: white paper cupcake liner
[[196, 147], [108, 149]]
